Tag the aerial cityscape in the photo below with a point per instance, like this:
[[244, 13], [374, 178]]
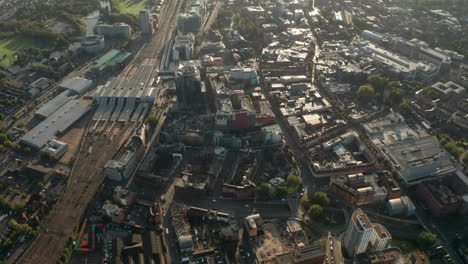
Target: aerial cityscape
[[234, 131]]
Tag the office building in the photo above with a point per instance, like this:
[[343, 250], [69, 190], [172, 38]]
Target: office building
[[188, 23], [146, 22], [56, 148], [93, 44], [189, 87], [183, 47], [118, 30]]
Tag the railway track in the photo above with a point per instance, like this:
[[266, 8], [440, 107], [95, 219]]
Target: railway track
[[86, 176]]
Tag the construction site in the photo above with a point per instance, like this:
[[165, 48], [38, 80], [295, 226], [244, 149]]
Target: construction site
[[121, 106]]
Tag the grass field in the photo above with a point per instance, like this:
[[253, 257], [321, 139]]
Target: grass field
[[9, 46], [131, 7]]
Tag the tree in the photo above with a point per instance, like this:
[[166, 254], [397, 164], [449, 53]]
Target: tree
[[27, 150], [3, 138], [404, 108], [293, 183], [320, 198], [281, 192], [365, 93], [262, 191], [8, 144], [378, 82], [315, 211], [43, 154], [41, 68], [396, 96], [2, 74], [53, 158], [19, 207], [152, 121], [426, 239]]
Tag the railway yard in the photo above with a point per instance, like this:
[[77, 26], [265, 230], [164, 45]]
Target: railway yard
[[109, 127]]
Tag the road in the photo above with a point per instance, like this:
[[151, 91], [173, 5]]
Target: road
[[238, 208], [95, 150]]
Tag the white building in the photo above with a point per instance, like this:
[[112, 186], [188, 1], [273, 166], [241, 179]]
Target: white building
[[380, 238], [361, 235], [358, 234]]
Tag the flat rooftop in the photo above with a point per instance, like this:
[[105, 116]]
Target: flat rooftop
[[419, 158], [52, 105], [56, 123], [361, 220], [77, 84]]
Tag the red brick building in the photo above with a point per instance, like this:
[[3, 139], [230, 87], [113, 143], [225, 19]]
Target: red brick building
[[440, 198]]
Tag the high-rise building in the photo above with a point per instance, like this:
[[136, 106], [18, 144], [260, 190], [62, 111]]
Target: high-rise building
[[189, 23], [358, 234], [381, 238], [362, 235], [145, 20]]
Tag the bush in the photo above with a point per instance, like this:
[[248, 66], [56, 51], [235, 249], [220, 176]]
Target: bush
[[426, 239], [152, 121], [262, 191]]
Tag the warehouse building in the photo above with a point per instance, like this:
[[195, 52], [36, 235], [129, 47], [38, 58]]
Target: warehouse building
[[53, 105], [72, 86], [57, 123], [77, 84]]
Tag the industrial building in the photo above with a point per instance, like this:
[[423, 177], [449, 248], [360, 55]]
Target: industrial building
[[53, 105], [73, 86], [126, 99], [120, 30], [55, 124]]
